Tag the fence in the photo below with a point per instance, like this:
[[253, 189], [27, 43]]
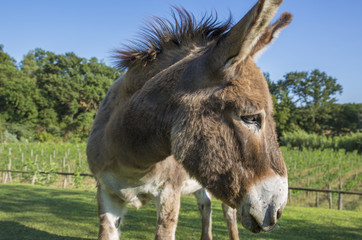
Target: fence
[[7, 177], [329, 191]]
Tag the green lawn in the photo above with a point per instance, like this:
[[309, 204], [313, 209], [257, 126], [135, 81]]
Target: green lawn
[[36, 212]]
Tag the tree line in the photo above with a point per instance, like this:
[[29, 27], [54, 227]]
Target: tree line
[[307, 101], [50, 96]]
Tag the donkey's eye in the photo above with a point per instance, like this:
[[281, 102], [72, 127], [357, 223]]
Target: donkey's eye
[[252, 119]]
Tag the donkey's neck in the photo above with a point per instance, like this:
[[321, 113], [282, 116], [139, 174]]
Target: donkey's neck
[[138, 131]]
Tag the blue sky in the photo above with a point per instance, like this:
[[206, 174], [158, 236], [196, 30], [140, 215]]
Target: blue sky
[[325, 34]]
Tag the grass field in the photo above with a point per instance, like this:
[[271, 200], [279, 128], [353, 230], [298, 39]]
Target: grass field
[[307, 168], [38, 212]]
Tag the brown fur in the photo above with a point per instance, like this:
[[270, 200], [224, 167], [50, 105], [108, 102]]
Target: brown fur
[[180, 96]]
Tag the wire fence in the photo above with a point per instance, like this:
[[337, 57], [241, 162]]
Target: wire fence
[[8, 178]]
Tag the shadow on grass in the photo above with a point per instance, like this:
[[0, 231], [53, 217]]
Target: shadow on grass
[[57, 212], [70, 205], [78, 210], [17, 231]]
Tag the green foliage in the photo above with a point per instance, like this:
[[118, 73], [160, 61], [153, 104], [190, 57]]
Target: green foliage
[[21, 132], [53, 96], [56, 94], [16, 93], [303, 140], [46, 157], [344, 118], [283, 106], [8, 137], [306, 100], [322, 167]]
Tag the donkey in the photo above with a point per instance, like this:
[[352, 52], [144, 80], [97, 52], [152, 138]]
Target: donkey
[[193, 110]]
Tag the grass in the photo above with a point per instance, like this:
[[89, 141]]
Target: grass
[[306, 168], [38, 212]]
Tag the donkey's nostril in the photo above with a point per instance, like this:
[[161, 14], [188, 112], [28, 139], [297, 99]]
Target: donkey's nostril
[[279, 213]]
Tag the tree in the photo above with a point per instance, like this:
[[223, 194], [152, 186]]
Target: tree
[[16, 92], [71, 88], [313, 94], [283, 106], [345, 118]]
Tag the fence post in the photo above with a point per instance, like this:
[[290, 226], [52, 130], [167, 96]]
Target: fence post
[[50, 165], [340, 196], [9, 168], [307, 193], [5, 177], [316, 199], [34, 177], [69, 176], [65, 177], [330, 196]]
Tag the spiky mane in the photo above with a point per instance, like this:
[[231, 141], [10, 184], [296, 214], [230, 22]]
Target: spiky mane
[[160, 33]]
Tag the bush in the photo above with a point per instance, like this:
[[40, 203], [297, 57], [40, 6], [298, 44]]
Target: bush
[[54, 130], [20, 131], [302, 139], [8, 137]]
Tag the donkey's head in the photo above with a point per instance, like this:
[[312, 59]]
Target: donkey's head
[[195, 92], [224, 133]]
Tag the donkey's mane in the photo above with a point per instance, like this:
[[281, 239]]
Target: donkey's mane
[[160, 32]]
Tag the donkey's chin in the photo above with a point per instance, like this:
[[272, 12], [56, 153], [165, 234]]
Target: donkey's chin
[[263, 204]]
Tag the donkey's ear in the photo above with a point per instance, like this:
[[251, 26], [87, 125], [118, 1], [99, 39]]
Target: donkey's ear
[[271, 32], [237, 44]]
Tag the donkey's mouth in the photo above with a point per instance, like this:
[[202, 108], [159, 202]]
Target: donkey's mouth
[[254, 226]]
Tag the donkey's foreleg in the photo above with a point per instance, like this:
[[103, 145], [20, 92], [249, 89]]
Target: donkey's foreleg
[[230, 218], [111, 210], [204, 204], [168, 206]]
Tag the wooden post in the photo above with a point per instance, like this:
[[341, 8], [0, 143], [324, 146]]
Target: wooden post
[[316, 199], [340, 196], [50, 165], [307, 193], [69, 176], [34, 177], [329, 196], [65, 176], [9, 168], [65, 182], [8, 174], [5, 177]]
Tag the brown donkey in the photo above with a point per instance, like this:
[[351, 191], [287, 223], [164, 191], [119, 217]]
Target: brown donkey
[[192, 111]]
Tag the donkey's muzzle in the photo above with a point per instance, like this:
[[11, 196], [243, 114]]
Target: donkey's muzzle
[[263, 204]]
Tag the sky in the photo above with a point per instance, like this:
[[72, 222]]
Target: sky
[[324, 34]]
